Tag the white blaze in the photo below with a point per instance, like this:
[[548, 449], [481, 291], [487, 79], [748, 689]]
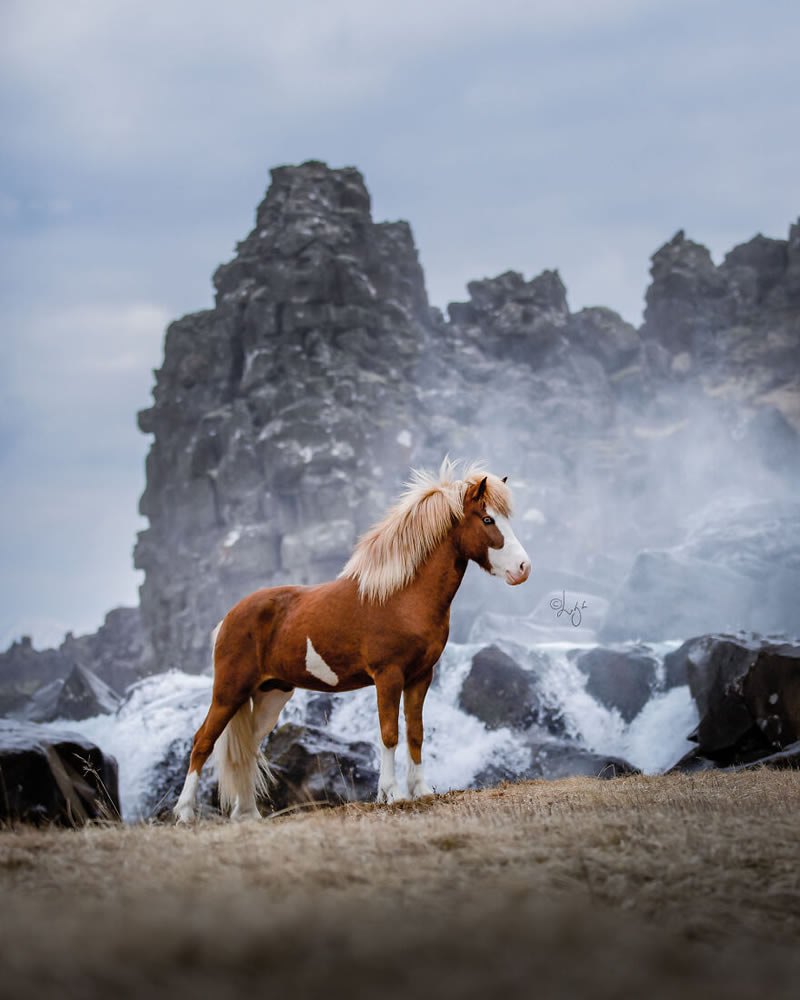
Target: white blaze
[[510, 558], [184, 807], [318, 667]]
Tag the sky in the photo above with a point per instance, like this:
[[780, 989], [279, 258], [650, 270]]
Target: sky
[[136, 140]]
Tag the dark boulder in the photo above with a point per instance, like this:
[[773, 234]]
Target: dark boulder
[[83, 695], [501, 693], [553, 761], [711, 663], [694, 761], [318, 710], [748, 694], [312, 766], [771, 692], [782, 760], [619, 678], [54, 777]]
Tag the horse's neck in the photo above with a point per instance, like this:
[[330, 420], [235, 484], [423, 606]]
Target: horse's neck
[[439, 578]]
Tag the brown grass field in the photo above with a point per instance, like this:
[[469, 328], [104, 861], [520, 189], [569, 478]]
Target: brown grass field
[[670, 886]]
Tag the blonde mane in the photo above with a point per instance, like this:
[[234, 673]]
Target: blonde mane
[[387, 556]]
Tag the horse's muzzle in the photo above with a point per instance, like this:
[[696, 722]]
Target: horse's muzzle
[[520, 575]]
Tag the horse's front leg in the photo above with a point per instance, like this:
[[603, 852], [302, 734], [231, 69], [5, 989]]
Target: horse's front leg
[[389, 686], [413, 698]]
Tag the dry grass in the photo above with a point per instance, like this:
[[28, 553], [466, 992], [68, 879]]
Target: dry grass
[[673, 885]]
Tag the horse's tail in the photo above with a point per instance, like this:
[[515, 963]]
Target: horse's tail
[[241, 765]]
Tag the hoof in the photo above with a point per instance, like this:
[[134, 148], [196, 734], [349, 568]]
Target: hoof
[[390, 793], [242, 817], [184, 815], [420, 790]]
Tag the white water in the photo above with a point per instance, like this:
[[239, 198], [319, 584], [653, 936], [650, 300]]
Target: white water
[[458, 747]]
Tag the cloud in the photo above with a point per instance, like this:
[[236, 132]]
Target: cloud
[[122, 82]]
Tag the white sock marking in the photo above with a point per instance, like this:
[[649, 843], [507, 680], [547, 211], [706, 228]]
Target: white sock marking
[[415, 779], [388, 789], [184, 807], [317, 667]]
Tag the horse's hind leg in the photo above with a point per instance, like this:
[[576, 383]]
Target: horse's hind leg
[[219, 715], [267, 706]]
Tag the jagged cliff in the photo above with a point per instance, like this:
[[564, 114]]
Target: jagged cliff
[[285, 417]]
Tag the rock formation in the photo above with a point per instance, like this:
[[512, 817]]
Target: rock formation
[[119, 654], [54, 777], [747, 691]]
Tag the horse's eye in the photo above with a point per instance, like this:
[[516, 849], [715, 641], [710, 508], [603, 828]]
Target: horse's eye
[[488, 520]]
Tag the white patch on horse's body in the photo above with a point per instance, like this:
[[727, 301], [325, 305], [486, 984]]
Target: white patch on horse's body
[[184, 807], [415, 781], [511, 562], [317, 667], [388, 789]]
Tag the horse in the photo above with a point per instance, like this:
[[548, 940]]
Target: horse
[[385, 621]]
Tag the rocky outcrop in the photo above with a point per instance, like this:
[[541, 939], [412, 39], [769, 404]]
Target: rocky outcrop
[[119, 653], [116, 656], [747, 691], [554, 760], [23, 670], [312, 766], [54, 777], [623, 679], [83, 695], [501, 693], [705, 312], [309, 765]]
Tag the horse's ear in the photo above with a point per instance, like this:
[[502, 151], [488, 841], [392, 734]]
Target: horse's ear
[[505, 479], [480, 490]]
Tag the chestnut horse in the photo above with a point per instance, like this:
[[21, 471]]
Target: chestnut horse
[[384, 621]]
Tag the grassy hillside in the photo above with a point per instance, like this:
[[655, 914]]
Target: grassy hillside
[[669, 885]]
